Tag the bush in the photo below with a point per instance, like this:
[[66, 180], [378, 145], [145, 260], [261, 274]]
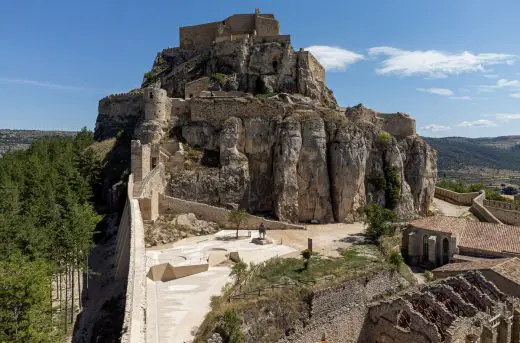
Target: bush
[[395, 259], [385, 137], [428, 276], [220, 78], [378, 221], [393, 188]]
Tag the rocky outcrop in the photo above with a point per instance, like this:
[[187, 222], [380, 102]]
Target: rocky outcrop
[[256, 66], [300, 161]]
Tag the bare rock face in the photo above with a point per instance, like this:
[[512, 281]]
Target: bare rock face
[[301, 162]]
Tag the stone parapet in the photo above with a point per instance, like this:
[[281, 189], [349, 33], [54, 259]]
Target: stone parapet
[[454, 197], [481, 212]]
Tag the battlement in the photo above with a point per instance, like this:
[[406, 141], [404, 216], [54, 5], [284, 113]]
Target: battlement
[[132, 94], [202, 36]]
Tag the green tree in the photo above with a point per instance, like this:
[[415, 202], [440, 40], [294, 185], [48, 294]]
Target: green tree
[[395, 259], [239, 270], [237, 217], [378, 221]]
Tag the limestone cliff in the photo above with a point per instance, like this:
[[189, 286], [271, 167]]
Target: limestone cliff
[[301, 161]]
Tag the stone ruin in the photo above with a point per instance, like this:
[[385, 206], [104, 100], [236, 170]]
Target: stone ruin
[[466, 308]]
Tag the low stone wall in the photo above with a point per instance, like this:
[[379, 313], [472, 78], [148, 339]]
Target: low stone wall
[[218, 215], [481, 212], [339, 312], [454, 197]]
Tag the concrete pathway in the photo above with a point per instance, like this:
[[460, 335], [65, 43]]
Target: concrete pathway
[[176, 308]]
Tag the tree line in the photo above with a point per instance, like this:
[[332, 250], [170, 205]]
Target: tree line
[[47, 222]]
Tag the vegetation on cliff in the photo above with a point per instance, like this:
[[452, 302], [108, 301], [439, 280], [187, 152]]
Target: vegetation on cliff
[[47, 222]]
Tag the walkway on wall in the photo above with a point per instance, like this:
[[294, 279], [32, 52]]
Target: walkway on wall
[[450, 209]]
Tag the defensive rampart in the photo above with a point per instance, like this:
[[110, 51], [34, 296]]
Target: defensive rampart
[[481, 212], [218, 215], [454, 197], [507, 213], [130, 257]]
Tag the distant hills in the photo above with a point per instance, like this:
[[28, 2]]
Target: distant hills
[[460, 152], [11, 140]]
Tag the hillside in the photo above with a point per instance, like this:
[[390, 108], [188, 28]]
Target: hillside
[[11, 140], [458, 152]]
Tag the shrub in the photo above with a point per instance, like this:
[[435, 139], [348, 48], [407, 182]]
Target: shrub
[[378, 221], [428, 276], [237, 217], [385, 137], [238, 270], [395, 259], [220, 78], [379, 182], [393, 188]]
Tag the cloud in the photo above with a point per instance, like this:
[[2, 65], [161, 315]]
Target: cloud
[[463, 97], [507, 116], [39, 84], [515, 95], [334, 58], [437, 91], [491, 76], [477, 123], [434, 63], [501, 84], [435, 128]]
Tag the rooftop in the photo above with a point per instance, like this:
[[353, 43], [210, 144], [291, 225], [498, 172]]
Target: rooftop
[[474, 234]]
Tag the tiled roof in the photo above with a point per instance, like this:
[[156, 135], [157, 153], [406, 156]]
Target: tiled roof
[[507, 267], [473, 234]]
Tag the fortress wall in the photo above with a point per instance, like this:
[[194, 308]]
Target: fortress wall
[[198, 36], [399, 124], [241, 23], [282, 39], [118, 112], [171, 205], [511, 217], [454, 197], [266, 26], [481, 212], [218, 110], [130, 259], [193, 88], [317, 70], [340, 311]]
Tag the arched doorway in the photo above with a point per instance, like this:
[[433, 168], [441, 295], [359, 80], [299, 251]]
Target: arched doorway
[[425, 248], [445, 251]]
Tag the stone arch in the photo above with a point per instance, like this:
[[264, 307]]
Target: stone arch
[[425, 250], [445, 251]]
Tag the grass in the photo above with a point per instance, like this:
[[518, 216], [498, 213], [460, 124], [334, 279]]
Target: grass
[[391, 245]]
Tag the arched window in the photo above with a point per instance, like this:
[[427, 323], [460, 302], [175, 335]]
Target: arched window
[[425, 247]]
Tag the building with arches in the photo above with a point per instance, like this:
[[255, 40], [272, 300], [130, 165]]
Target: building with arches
[[435, 241]]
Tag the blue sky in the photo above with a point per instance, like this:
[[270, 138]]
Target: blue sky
[[452, 64]]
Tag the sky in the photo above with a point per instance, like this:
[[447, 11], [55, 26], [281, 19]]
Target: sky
[[454, 65]]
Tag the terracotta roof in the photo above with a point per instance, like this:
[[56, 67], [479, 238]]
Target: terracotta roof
[[507, 267], [474, 234]]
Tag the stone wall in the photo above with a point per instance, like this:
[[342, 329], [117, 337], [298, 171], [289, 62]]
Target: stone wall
[[305, 59], [197, 36], [340, 311], [130, 259], [505, 212], [454, 197], [481, 212], [118, 112], [194, 88], [266, 26], [171, 205], [399, 125]]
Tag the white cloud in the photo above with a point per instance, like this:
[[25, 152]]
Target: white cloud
[[437, 91], [39, 84], [463, 97], [507, 116], [500, 84], [334, 58], [515, 95], [477, 123], [491, 76], [434, 63], [435, 128]]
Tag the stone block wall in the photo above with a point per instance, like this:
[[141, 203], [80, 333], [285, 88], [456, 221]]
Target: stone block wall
[[481, 212], [197, 36], [340, 311], [118, 112], [399, 125], [156, 104], [307, 60], [454, 197], [266, 26], [194, 88], [171, 205], [140, 160], [505, 212]]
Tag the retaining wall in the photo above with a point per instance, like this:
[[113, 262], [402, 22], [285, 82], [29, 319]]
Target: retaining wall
[[340, 311], [218, 215], [506, 212], [458, 198]]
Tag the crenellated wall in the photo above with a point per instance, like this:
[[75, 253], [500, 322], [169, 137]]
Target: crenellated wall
[[118, 112]]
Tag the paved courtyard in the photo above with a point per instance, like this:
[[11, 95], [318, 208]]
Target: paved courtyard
[[176, 308]]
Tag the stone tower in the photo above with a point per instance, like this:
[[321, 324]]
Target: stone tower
[[155, 104], [140, 160]]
